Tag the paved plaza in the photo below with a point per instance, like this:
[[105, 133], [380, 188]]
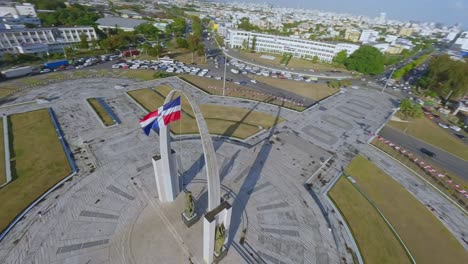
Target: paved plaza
[[109, 211]]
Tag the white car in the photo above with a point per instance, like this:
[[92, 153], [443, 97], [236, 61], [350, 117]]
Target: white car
[[455, 128], [218, 78], [442, 125], [253, 81]]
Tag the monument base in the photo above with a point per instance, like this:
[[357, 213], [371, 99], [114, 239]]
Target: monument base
[[190, 221], [217, 258]]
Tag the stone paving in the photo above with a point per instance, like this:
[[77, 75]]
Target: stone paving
[[109, 212]]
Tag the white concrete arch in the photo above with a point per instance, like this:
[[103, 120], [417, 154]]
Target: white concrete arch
[[212, 172]]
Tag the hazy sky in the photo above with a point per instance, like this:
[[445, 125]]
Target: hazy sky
[[448, 12]]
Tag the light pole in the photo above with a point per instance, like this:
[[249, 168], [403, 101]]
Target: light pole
[[224, 78], [389, 77]]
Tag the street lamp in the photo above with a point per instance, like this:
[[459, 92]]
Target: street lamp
[[224, 78], [389, 77]]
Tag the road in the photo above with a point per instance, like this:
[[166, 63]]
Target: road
[[443, 159]]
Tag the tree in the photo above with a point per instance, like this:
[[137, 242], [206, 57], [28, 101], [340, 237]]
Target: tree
[[181, 43], [147, 30], [254, 42], [155, 51], [341, 57], [244, 44], [410, 109], [193, 44], [84, 41], [121, 39], [177, 27], [446, 75], [72, 15], [367, 60], [245, 25], [197, 28], [315, 59]]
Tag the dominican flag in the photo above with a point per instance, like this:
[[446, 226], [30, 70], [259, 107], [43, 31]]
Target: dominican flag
[[161, 117]]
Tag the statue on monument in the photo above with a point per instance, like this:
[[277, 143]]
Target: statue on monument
[[220, 236], [189, 205]]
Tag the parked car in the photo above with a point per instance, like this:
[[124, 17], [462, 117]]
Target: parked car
[[460, 136], [456, 128], [428, 152], [442, 125]]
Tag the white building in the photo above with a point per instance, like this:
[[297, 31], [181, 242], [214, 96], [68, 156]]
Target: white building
[[300, 48], [34, 40], [463, 41], [369, 35], [11, 17], [26, 9], [451, 36]]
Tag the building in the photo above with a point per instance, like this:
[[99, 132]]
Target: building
[[369, 35], [463, 41], [352, 35], [125, 24], [382, 19], [18, 16], [404, 31], [299, 48], [383, 47], [35, 40], [26, 9], [125, 13]]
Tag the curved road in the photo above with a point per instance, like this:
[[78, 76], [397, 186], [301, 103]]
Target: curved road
[[443, 159]]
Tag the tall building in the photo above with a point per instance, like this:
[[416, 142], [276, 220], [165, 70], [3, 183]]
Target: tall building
[[382, 19], [299, 48]]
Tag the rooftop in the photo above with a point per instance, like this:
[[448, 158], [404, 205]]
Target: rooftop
[[120, 22]]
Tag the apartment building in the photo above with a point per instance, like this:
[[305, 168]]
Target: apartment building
[[299, 48], [352, 35], [32, 40], [369, 35]]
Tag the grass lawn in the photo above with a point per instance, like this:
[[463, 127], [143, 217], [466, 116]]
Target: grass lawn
[[295, 63], [106, 119], [38, 162], [428, 240], [7, 89], [438, 182], [221, 120], [316, 91], [375, 240], [424, 129], [141, 74], [2, 156], [208, 85]]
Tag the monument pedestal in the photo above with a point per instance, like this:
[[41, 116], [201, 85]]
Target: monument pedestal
[[220, 215], [190, 221], [167, 180]]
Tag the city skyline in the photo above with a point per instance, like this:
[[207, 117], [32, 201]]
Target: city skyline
[[448, 13]]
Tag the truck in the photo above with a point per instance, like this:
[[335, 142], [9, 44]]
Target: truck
[[235, 71], [128, 53], [17, 72], [56, 64]]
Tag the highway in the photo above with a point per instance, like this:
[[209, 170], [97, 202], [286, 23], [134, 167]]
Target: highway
[[442, 159]]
